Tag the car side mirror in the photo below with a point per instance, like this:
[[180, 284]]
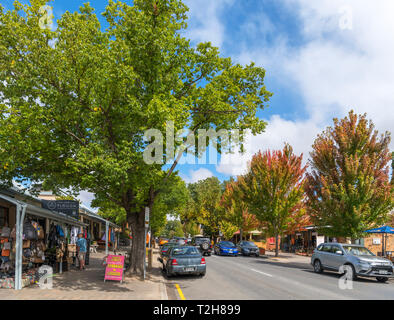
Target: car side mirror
[[339, 252]]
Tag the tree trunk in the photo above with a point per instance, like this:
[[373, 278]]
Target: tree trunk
[[276, 245], [241, 234], [137, 224]]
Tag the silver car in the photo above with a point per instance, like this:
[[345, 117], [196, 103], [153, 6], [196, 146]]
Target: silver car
[[331, 256], [183, 260]]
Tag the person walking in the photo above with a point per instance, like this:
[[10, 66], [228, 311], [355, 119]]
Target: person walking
[[81, 245]]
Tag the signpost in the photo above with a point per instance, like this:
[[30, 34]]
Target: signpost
[[146, 229], [114, 268]]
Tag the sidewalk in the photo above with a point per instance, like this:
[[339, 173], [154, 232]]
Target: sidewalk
[[90, 285]]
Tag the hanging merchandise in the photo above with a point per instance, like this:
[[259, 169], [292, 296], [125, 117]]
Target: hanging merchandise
[[5, 232], [39, 229], [13, 233], [28, 231], [60, 231], [74, 235]]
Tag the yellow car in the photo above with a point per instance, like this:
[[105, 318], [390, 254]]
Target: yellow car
[[162, 241]]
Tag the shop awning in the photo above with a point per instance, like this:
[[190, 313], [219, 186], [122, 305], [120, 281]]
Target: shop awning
[[95, 216], [53, 215]]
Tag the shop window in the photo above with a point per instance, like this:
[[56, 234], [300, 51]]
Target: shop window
[[4, 213]]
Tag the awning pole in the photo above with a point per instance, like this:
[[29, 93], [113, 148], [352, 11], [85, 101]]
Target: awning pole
[[21, 211], [17, 245], [106, 237]]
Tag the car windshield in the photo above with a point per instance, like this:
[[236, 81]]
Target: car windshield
[[182, 251], [249, 244], [357, 251], [227, 244]]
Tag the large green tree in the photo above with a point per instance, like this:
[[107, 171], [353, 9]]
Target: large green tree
[[76, 101], [236, 209], [348, 188], [206, 210], [274, 189]]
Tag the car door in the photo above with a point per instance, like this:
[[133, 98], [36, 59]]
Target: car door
[[323, 254], [337, 259]]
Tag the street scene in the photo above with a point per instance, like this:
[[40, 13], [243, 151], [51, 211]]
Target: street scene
[[196, 150]]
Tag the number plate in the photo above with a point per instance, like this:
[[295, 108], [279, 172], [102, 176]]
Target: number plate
[[383, 272], [189, 269]]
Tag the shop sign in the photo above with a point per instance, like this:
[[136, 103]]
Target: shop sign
[[114, 268], [68, 207], [376, 240]]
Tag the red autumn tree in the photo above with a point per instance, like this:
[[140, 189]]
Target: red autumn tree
[[274, 189], [349, 189], [236, 209]]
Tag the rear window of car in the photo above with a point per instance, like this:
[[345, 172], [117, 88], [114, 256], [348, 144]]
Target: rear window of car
[[184, 251], [227, 243], [200, 240]]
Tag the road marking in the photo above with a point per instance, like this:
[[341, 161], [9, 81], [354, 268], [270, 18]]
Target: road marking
[[180, 292], [266, 274]]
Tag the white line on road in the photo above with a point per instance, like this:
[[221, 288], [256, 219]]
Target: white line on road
[[266, 274]]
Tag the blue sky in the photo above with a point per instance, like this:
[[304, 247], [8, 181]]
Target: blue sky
[[322, 58]]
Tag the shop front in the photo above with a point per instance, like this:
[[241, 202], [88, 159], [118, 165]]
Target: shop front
[[31, 237], [302, 241]]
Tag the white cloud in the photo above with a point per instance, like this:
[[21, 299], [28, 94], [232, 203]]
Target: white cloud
[[299, 134], [333, 69], [86, 198], [205, 22], [196, 175]]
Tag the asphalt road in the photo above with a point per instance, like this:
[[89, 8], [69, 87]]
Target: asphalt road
[[267, 278]]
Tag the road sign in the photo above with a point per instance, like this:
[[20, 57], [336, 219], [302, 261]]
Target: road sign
[[146, 217]]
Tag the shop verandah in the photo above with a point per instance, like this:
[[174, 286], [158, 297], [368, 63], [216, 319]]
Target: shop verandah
[[32, 236]]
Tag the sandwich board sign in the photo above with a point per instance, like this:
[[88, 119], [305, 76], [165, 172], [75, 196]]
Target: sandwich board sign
[[114, 268]]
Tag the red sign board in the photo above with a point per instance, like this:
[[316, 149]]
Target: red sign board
[[114, 268]]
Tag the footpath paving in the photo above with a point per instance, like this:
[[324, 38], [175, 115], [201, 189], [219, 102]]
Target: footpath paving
[[89, 285]]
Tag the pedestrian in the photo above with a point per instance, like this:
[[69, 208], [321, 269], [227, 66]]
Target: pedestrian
[[81, 245]]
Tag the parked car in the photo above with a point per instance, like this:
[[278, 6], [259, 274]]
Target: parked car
[[331, 256], [178, 240], [183, 260], [203, 244], [226, 248], [248, 248], [165, 248]]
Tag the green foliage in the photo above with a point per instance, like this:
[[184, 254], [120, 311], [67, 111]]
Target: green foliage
[[173, 228], [204, 207], [236, 209], [77, 100], [349, 188], [274, 188]]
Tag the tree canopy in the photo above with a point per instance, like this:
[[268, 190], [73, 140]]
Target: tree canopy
[[274, 189], [348, 188], [76, 101]]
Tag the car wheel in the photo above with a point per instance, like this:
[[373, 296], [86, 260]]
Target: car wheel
[[354, 276], [257, 255], [209, 254], [168, 273], [202, 274], [382, 279], [317, 266]]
